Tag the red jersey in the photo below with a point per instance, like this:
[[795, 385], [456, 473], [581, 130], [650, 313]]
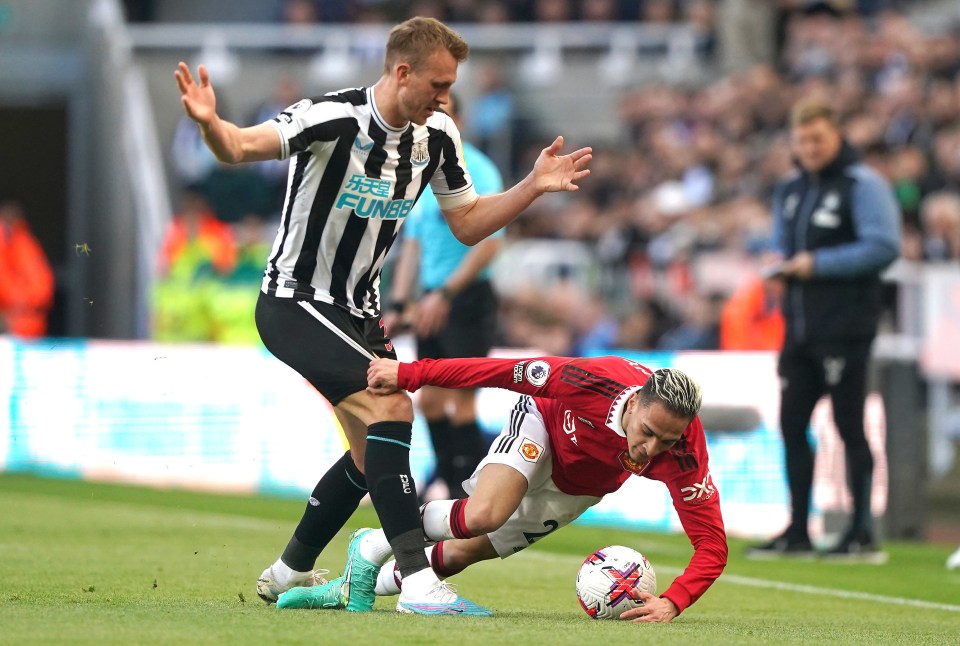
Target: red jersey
[[582, 402]]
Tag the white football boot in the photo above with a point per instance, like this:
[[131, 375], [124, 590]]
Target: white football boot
[[268, 589]]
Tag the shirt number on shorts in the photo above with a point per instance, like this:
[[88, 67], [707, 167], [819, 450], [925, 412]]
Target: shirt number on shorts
[[533, 537]]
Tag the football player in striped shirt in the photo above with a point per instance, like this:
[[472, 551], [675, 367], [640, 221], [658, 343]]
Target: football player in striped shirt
[[360, 158]]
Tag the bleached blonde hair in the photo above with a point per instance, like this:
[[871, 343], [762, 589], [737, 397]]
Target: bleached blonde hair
[[675, 389]]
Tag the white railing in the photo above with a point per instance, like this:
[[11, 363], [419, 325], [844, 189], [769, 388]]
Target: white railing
[[139, 147], [623, 52], [510, 37]]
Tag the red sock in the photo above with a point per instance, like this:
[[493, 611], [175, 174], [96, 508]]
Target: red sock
[[458, 520], [436, 561], [396, 575]]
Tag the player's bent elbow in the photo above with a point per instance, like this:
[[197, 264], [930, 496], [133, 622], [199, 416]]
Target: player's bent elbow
[[232, 161], [228, 156], [469, 238], [714, 551], [720, 554]]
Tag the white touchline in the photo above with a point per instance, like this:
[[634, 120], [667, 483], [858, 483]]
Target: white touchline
[[831, 592], [333, 328], [736, 579]]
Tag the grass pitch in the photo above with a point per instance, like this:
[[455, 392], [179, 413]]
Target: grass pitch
[[94, 563]]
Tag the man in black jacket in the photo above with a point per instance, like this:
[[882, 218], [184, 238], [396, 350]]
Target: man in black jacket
[[836, 228]]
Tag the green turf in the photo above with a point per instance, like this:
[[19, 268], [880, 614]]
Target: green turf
[[94, 563]]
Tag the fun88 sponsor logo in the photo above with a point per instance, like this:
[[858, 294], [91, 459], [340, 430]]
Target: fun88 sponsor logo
[[370, 198]]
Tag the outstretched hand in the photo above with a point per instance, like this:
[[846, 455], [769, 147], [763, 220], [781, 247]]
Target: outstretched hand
[[198, 99], [653, 610], [553, 172], [382, 376]]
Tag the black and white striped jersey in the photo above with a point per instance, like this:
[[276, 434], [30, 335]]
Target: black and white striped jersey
[[353, 179]]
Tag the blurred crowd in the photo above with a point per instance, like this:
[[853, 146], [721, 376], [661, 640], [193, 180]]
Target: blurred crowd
[[490, 11], [675, 216], [678, 216]]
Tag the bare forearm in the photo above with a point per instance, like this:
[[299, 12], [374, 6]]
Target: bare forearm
[[233, 145], [490, 213], [551, 172], [228, 142], [223, 140]]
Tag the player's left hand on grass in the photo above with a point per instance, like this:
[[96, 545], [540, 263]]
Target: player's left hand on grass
[[653, 610], [382, 375], [555, 172]]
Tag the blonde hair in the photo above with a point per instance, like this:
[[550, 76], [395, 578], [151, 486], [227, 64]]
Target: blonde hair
[[810, 110], [412, 41], [676, 390]]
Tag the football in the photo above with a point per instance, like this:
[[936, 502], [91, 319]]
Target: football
[[606, 578]]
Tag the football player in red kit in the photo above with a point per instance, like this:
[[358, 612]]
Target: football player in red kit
[[582, 427]]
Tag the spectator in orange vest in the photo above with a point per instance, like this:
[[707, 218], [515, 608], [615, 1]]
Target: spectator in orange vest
[[751, 318], [195, 240], [26, 279], [196, 235]]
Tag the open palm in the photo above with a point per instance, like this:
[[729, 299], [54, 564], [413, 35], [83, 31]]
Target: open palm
[[198, 99], [555, 172]]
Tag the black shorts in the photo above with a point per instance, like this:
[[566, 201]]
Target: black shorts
[[471, 328], [335, 363]]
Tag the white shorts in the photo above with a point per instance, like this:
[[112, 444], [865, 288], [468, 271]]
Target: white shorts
[[524, 445]]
